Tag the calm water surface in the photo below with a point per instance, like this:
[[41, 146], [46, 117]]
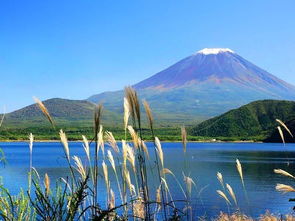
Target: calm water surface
[[204, 160]]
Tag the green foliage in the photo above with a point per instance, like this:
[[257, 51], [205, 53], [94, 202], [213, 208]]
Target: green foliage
[[256, 120]]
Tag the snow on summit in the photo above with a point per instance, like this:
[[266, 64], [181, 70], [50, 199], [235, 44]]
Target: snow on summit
[[207, 51]]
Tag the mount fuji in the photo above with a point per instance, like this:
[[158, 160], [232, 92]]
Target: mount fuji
[[205, 84]]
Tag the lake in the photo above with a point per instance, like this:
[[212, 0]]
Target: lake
[[204, 161]]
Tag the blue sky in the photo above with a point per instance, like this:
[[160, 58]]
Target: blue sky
[[74, 49]]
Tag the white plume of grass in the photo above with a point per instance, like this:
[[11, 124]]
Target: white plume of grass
[[112, 141], [220, 179], [222, 195], [79, 167], [159, 151], [285, 126], [65, 144], [232, 193], [284, 173], [126, 113], [281, 134], [284, 188]]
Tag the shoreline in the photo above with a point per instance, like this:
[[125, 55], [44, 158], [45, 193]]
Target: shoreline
[[163, 141]]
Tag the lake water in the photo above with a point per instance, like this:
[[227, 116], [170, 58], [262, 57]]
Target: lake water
[[205, 159]]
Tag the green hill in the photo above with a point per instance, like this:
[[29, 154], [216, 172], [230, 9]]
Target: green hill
[[256, 119], [78, 113]]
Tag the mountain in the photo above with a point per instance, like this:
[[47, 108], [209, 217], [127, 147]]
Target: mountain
[[203, 85], [254, 119], [63, 111]]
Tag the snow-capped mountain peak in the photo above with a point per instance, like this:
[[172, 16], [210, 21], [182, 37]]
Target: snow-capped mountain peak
[[207, 51]]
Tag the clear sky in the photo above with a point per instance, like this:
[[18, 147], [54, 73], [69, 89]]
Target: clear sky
[[77, 48]]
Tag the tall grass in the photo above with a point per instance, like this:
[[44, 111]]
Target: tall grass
[[76, 197]]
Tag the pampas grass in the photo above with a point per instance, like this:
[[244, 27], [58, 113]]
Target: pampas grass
[[281, 134], [284, 125], [240, 170], [222, 195], [126, 113], [159, 151], [220, 179], [284, 173], [231, 193], [148, 113], [79, 167], [284, 188], [111, 141], [44, 110], [184, 138], [47, 184]]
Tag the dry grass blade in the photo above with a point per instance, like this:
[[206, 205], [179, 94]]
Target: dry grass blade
[[189, 182], [100, 142], [131, 156], [240, 170], [167, 171], [31, 138], [285, 126], [232, 193], [106, 175], [47, 183], [184, 138], [284, 173], [44, 110], [220, 179], [284, 188], [79, 167], [145, 149], [2, 118], [111, 141], [281, 134], [139, 208], [112, 200], [124, 153], [126, 113], [111, 159], [65, 144], [134, 106], [159, 151], [134, 136], [86, 147], [128, 180], [148, 113], [222, 195], [97, 119]]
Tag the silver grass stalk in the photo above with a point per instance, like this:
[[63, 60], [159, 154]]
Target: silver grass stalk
[[222, 195], [284, 173], [284, 188], [281, 134], [220, 179], [65, 144], [44, 110], [159, 151], [231, 193], [126, 113], [285, 126]]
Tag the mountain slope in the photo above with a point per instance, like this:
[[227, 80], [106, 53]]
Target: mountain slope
[[64, 112], [203, 85], [254, 119]]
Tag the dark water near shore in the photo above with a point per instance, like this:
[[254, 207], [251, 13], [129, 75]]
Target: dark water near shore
[[205, 159]]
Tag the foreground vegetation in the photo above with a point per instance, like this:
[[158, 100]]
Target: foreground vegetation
[[130, 195]]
